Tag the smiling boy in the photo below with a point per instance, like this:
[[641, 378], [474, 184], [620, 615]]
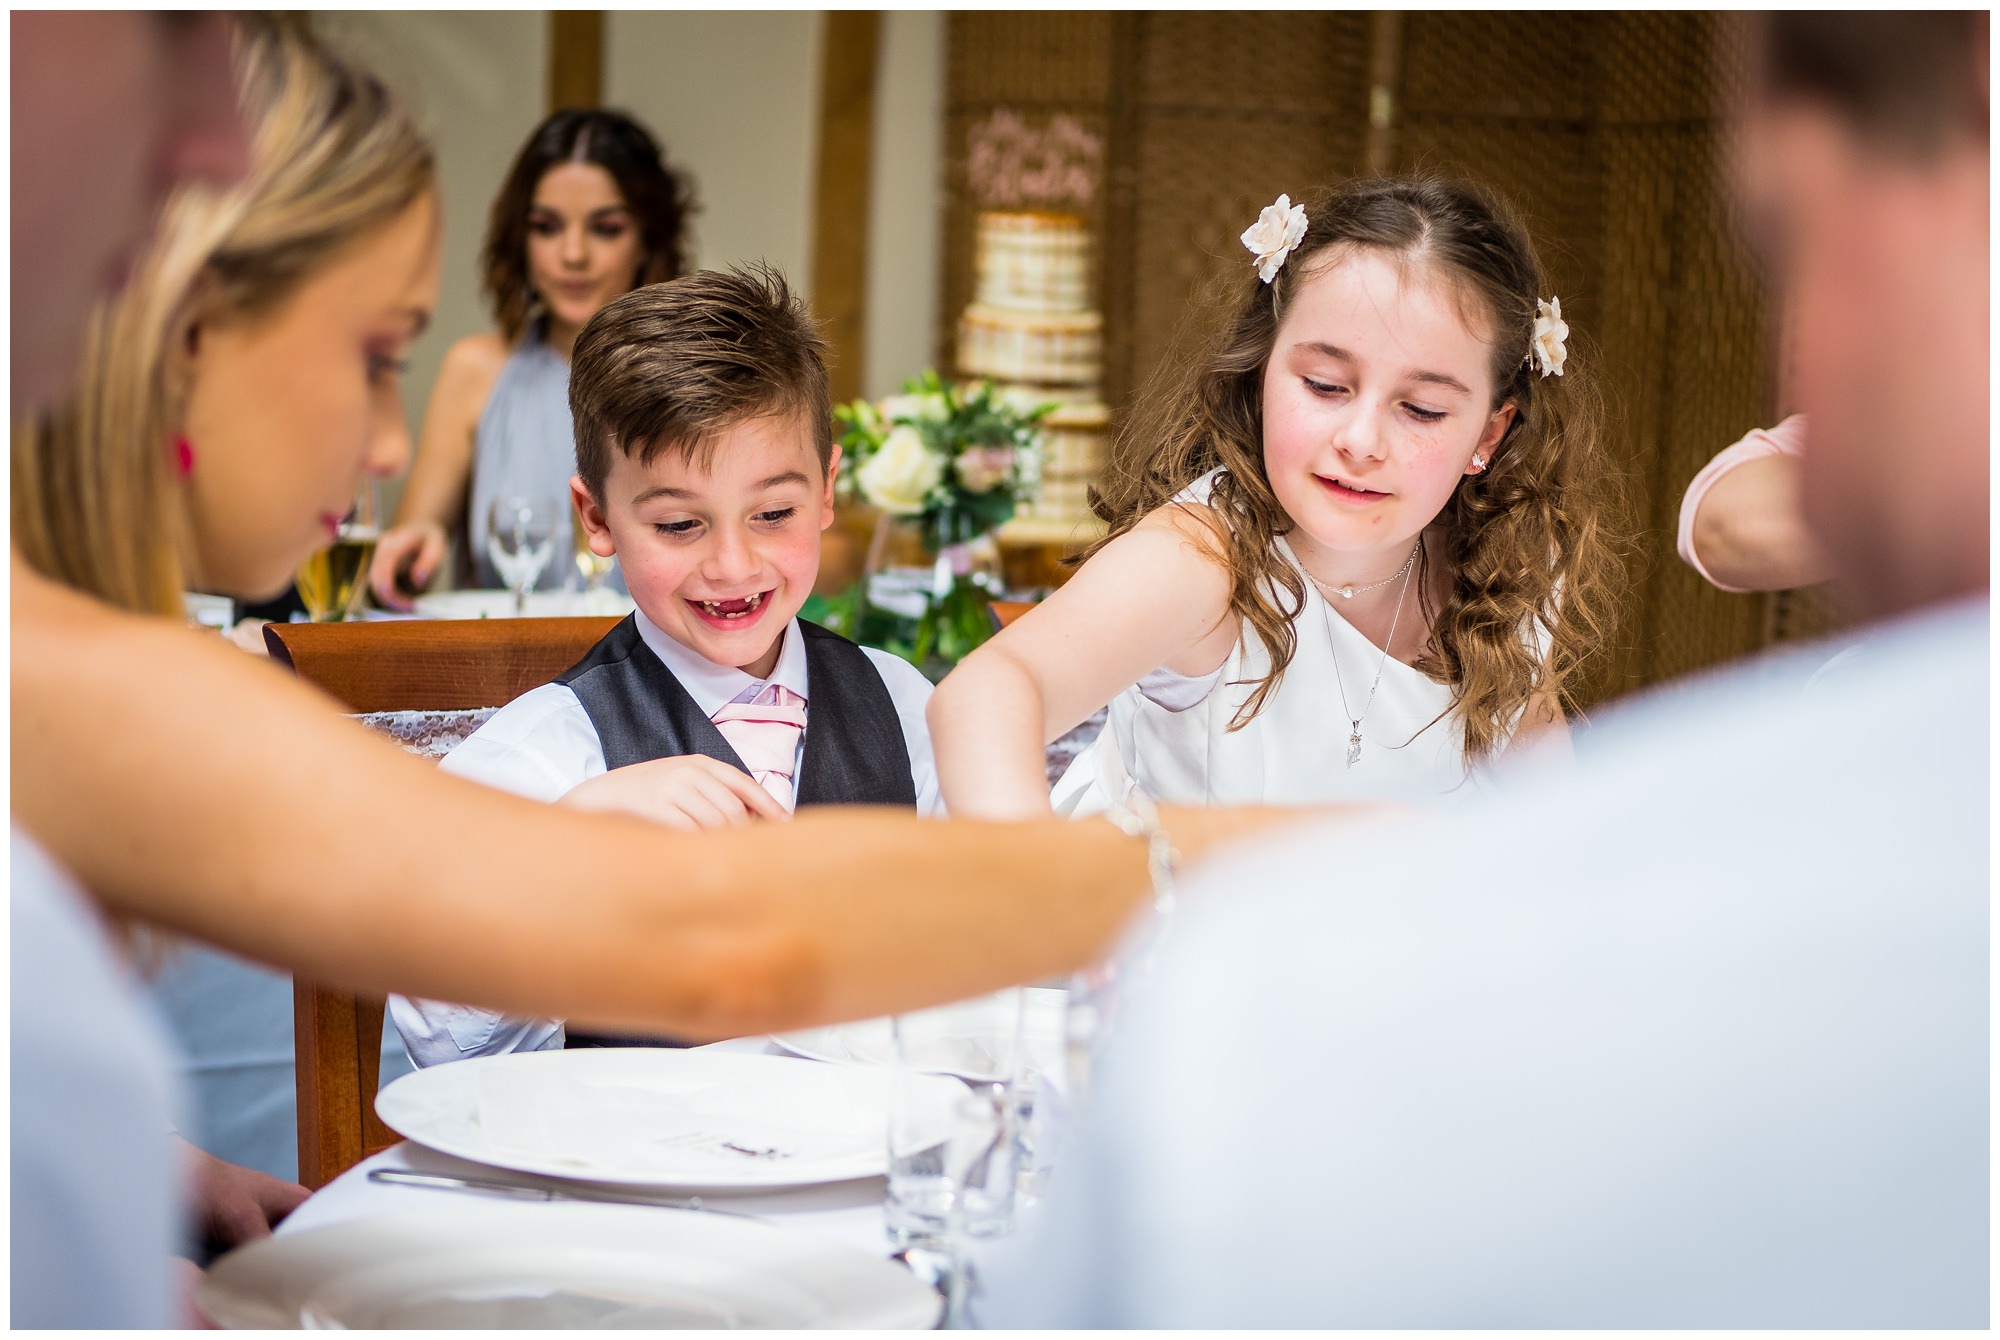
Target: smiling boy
[[705, 462]]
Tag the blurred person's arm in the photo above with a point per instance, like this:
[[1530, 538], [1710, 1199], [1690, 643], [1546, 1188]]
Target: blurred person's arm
[[1742, 525], [190, 787], [232, 1204], [416, 544]]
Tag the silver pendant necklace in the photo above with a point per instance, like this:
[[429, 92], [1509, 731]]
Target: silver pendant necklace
[[1326, 620]]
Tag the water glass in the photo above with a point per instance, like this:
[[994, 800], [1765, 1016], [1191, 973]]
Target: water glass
[[592, 568], [520, 539], [918, 1202], [953, 1155], [982, 1161]]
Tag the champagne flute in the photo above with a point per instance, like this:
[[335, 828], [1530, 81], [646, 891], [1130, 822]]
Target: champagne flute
[[332, 580], [520, 539]]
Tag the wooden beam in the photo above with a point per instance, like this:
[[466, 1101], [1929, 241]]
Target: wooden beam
[[1385, 89], [843, 169], [576, 58]]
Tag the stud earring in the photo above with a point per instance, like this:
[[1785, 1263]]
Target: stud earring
[[183, 456], [1478, 463]]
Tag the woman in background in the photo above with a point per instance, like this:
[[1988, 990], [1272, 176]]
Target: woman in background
[[589, 211]]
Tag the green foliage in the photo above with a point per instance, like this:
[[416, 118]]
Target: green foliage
[[951, 421]]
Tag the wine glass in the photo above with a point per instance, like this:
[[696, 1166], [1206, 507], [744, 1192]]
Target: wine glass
[[332, 579], [594, 568], [520, 539]]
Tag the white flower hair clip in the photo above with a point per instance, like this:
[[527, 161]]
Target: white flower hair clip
[[1278, 229], [1545, 349]]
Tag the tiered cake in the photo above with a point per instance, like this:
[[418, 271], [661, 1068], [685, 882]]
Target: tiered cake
[[1030, 331]]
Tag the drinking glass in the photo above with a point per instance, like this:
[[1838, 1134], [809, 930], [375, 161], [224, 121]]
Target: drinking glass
[[952, 1166], [332, 580], [520, 539], [982, 1160], [593, 568], [918, 1201]]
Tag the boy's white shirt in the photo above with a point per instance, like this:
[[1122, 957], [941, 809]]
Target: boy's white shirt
[[542, 745]]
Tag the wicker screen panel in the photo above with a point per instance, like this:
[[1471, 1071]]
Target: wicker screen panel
[[1607, 131], [1499, 65], [1202, 181], [1280, 64], [1029, 58], [1718, 385], [1233, 109]]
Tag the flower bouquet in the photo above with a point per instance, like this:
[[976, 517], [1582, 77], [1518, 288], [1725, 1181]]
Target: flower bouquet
[[957, 460]]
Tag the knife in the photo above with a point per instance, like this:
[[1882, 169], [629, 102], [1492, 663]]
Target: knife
[[493, 1186]]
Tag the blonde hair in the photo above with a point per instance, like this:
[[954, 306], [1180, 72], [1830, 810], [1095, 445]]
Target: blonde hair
[[334, 157], [1528, 541]]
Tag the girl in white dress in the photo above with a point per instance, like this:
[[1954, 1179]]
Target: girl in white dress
[[1359, 545]]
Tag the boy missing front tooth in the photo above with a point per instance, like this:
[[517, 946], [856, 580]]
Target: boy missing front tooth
[[705, 462]]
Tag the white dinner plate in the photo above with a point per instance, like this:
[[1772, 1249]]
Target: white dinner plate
[[652, 1116], [967, 1039], [504, 1265], [541, 604]]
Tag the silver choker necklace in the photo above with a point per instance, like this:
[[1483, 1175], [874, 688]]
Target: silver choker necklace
[[1349, 592], [1326, 618]]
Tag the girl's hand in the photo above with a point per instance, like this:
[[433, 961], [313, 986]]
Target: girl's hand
[[411, 552], [690, 792]]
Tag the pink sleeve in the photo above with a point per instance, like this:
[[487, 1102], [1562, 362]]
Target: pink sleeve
[[1786, 439]]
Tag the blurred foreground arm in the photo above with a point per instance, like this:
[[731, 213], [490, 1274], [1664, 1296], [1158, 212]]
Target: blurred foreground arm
[[189, 786], [233, 1204]]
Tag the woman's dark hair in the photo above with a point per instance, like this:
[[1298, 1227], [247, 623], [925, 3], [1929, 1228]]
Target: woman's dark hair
[[660, 197]]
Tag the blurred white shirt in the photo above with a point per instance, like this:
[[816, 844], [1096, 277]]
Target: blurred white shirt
[[1696, 1037], [97, 1202]]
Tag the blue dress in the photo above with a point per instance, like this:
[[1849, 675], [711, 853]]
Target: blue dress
[[525, 445]]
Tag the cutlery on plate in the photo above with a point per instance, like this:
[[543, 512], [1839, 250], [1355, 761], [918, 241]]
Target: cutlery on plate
[[496, 1187], [703, 1140]]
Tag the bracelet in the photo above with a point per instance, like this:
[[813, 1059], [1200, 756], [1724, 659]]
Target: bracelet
[[1137, 816]]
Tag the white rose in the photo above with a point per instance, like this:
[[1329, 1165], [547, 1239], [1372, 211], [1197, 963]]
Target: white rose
[[1278, 229], [1551, 330], [1021, 399], [980, 469], [901, 475], [927, 407]]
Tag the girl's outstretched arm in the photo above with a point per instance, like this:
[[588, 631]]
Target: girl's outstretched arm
[[1155, 596]]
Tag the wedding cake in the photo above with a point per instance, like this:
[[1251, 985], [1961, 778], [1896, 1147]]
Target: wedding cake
[[1030, 330]]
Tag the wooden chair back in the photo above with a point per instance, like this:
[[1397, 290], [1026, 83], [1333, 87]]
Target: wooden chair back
[[432, 665], [394, 666]]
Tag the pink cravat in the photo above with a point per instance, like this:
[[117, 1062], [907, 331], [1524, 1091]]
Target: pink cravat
[[764, 732]]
